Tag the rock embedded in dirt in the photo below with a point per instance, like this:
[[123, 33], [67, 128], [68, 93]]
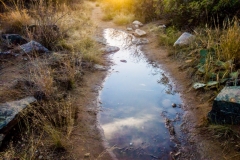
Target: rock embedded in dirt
[[124, 61], [100, 67], [198, 85], [9, 112], [33, 46], [13, 39], [162, 26], [137, 23], [174, 105], [110, 49], [87, 155], [139, 33], [226, 106], [129, 29], [185, 39]]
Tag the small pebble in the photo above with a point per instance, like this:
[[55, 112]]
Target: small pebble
[[123, 61], [174, 105], [87, 155]]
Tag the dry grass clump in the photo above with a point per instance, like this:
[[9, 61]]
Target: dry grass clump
[[108, 16], [123, 19], [167, 37], [42, 76], [13, 21], [119, 11], [229, 43], [88, 50]]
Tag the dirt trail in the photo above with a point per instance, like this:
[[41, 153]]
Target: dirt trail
[[87, 138]]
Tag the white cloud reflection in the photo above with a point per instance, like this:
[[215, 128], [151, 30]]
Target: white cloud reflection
[[122, 126]]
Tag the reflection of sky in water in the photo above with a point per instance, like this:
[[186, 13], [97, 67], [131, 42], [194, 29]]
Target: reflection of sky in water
[[132, 101]]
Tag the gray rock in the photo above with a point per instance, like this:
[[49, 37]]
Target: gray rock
[[185, 39], [33, 46], [162, 26], [174, 105], [129, 29], [13, 39], [226, 106], [137, 23], [123, 60], [100, 67], [110, 49], [198, 85], [9, 111], [87, 155], [139, 33]]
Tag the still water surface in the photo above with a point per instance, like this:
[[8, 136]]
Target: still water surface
[[136, 99]]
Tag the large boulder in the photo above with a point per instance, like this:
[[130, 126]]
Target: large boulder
[[226, 106]]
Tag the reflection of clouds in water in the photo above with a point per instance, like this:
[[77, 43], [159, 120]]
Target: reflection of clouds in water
[[143, 108], [137, 141], [122, 125], [166, 103]]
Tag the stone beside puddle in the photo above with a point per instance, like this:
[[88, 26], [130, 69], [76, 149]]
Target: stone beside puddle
[[139, 33], [137, 23], [123, 60], [226, 106], [110, 49], [100, 67]]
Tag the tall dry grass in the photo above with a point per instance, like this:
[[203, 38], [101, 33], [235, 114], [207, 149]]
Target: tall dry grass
[[229, 42], [48, 124]]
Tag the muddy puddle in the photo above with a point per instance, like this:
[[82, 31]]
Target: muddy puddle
[[141, 112]]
